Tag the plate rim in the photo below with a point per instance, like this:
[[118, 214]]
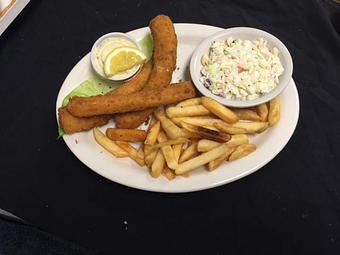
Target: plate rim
[[189, 188]]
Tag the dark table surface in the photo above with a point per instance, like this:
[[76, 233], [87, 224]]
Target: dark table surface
[[290, 206]]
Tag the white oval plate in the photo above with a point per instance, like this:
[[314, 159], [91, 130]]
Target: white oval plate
[[127, 172]]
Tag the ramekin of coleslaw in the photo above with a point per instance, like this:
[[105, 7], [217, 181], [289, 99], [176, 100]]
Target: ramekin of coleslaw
[[241, 67]]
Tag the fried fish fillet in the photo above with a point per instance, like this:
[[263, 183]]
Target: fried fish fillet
[[164, 63], [72, 124], [144, 99]]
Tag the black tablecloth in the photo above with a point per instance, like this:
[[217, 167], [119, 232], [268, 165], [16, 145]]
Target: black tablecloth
[[290, 206]]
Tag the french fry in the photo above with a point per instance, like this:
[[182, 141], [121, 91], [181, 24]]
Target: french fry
[[242, 151], [237, 140], [229, 129], [158, 164], [206, 133], [204, 145], [202, 159], [167, 151], [168, 126], [212, 165], [252, 127], [108, 144], [153, 132], [262, 111], [133, 154], [219, 110], [177, 148], [179, 140], [140, 152], [189, 102], [246, 114], [274, 111], [189, 152], [197, 121], [194, 110], [149, 158], [127, 135], [168, 173]]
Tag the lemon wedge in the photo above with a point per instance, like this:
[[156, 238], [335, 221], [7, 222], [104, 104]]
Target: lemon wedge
[[122, 59]]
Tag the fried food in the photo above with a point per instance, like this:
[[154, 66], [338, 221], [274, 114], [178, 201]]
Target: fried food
[[274, 111], [219, 110], [187, 111], [262, 111], [71, 124], [158, 164], [136, 83], [127, 135], [242, 151], [132, 152], [189, 153], [229, 129], [246, 114], [212, 165], [252, 127], [108, 144], [202, 159], [153, 132], [168, 152], [205, 133], [190, 102], [164, 63], [109, 104]]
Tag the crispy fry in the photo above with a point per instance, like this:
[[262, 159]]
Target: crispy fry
[[189, 152], [149, 157], [164, 63], [107, 104], [262, 111], [152, 135], [237, 140], [168, 173], [212, 165], [140, 152], [71, 124], [169, 127], [167, 151], [190, 102], [177, 148], [133, 154], [219, 110], [202, 159], [194, 110], [158, 164], [246, 114], [252, 127], [242, 151], [202, 132], [197, 121], [274, 111], [229, 129], [108, 144], [179, 140], [204, 145], [127, 135]]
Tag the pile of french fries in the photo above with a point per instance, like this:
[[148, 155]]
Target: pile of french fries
[[196, 132]]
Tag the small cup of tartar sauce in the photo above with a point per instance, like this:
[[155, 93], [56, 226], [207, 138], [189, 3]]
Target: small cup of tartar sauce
[[104, 46]]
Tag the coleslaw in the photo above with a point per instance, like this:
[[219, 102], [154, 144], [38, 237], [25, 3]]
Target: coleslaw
[[241, 69]]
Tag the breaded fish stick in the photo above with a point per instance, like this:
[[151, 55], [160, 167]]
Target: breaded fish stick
[[164, 63], [135, 84], [127, 135], [71, 124], [109, 104]]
